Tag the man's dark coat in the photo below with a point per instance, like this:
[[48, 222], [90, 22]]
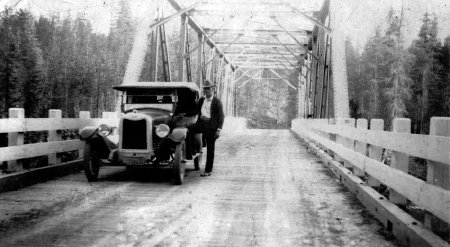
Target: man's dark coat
[[217, 115]]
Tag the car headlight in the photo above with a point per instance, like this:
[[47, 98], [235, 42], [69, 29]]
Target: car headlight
[[104, 130], [162, 130]]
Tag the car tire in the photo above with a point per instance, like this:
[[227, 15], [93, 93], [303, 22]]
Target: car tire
[[178, 166], [91, 162]]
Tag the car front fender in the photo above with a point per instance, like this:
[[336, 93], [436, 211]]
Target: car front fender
[[87, 132], [178, 134]]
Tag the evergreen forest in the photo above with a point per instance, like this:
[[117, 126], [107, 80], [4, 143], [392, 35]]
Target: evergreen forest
[[391, 80], [60, 63], [54, 62]]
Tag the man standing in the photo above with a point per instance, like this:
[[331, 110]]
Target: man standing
[[210, 122]]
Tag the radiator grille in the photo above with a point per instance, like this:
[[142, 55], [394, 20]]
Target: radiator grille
[[134, 134]]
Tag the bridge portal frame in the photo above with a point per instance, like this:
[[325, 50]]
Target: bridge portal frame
[[325, 92]]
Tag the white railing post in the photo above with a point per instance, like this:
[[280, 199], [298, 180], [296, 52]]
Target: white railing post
[[349, 143], [331, 137], [438, 173], [400, 160], [110, 115], [83, 115], [339, 138], [360, 147], [15, 138], [375, 152], [54, 135]]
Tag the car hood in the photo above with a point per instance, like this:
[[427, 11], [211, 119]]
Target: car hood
[[158, 116]]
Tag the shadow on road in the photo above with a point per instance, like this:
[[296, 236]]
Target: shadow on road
[[141, 175]]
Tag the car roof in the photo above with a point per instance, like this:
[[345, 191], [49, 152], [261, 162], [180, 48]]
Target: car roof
[[156, 85]]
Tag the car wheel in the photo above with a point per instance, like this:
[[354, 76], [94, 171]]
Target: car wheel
[[91, 163], [178, 166]]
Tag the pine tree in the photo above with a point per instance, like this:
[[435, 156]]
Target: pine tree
[[7, 58], [445, 59], [374, 73], [426, 74], [397, 89], [22, 65], [47, 34], [120, 42], [356, 86]]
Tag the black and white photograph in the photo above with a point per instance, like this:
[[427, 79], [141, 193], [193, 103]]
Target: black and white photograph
[[225, 123]]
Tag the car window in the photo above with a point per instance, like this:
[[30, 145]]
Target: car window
[[151, 99]]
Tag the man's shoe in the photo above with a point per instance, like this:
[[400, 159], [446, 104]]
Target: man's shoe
[[205, 174]]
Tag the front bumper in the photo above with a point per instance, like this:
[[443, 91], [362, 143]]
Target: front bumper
[[159, 156]]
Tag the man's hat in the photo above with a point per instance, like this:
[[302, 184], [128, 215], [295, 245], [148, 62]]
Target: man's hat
[[208, 84]]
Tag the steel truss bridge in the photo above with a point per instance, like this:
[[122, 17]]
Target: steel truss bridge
[[269, 187]]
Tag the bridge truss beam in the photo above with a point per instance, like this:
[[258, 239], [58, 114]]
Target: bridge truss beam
[[257, 31], [199, 29]]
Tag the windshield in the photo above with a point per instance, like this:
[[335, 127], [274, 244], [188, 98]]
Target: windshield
[[177, 101], [151, 99], [163, 102]]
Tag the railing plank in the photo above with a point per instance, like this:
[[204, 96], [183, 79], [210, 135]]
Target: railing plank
[[40, 124], [431, 197], [38, 149], [428, 147]]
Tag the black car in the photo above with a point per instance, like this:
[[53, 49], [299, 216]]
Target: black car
[[153, 130]]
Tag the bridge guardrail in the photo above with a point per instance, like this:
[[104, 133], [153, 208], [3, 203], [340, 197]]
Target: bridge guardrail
[[360, 150], [17, 125]]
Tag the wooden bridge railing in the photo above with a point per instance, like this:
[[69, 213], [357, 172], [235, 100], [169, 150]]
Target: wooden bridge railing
[[360, 150], [17, 125]]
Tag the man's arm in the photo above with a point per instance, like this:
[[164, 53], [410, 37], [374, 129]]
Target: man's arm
[[199, 106], [221, 116]]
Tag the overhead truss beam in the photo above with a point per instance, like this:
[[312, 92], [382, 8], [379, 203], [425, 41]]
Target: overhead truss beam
[[318, 23], [199, 29], [284, 79], [260, 57], [140, 44], [263, 67], [227, 12], [257, 44], [210, 35], [272, 65], [169, 18], [298, 43], [262, 31], [269, 52]]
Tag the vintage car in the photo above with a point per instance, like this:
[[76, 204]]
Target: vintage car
[[153, 130]]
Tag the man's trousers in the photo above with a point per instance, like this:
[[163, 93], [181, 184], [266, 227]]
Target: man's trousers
[[210, 137]]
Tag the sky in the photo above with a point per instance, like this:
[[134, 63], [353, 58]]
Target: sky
[[363, 16]]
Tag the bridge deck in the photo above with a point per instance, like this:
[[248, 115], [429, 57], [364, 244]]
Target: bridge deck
[[266, 190]]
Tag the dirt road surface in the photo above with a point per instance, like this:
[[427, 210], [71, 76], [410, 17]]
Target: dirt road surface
[[265, 190]]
